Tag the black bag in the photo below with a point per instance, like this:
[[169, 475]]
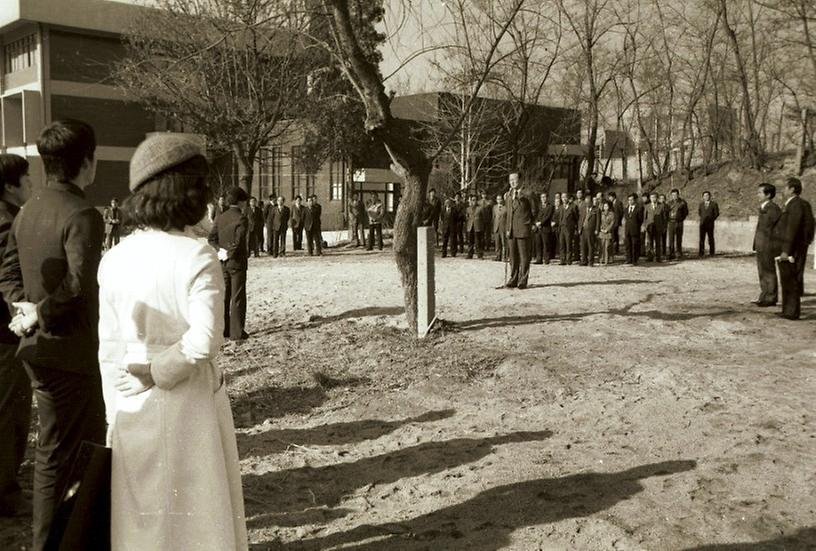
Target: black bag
[[82, 517]]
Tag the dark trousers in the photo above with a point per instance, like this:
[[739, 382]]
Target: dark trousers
[[500, 245], [297, 238], [791, 289], [462, 240], [587, 248], [766, 267], [235, 302], [269, 239], [112, 238], [254, 240], [615, 240], [475, 243], [358, 230], [314, 241], [655, 243], [542, 247], [675, 239], [15, 417], [707, 230], [279, 242], [519, 261], [632, 245], [565, 245], [70, 409], [452, 238], [576, 246], [372, 230]]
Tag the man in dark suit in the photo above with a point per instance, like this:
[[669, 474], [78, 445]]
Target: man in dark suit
[[49, 277], [15, 388], [358, 220], [317, 225], [568, 227], [297, 222], [766, 247], [588, 227], [311, 225], [709, 212], [542, 230], [113, 224], [279, 215], [654, 223], [617, 209], [519, 222], [555, 226], [228, 237], [486, 206], [578, 206], [678, 211], [375, 213], [474, 227], [499, 225], [255, 224], [795, 233], [632, 222], [449, 219]]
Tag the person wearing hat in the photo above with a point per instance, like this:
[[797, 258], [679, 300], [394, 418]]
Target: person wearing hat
[[175, 476], [48, 278]]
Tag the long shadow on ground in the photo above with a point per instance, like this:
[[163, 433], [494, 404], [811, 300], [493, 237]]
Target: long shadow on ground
[[282, 498], [599, 282], [804, 539], [487, 521], [333, 434], [271, 402]]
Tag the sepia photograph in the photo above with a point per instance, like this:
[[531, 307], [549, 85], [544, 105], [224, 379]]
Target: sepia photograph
[[407, 275]]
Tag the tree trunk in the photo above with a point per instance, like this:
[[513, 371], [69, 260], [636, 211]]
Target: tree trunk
[[246, 168]]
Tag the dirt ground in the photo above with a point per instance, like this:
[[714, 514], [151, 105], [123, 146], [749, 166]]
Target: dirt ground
[[613, 408]]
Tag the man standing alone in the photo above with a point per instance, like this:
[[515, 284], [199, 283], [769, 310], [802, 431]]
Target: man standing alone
[[519, 221], [709, 212], [228, 237], [766, 247], [113, 224], [49, 277]]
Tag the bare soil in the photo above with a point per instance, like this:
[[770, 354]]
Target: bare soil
[[618, 408]]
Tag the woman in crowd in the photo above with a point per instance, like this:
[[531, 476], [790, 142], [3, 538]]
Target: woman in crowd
[[175, 475]]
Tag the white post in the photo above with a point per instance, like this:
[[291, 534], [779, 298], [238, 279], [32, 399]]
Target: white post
[[426, 289]]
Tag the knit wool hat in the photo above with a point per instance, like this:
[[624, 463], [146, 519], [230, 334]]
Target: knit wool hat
[[158, 153]]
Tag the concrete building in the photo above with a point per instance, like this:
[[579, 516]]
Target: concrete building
[[57, 61]]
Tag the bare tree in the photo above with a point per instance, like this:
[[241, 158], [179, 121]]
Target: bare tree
[[408, 158], [232, 71]]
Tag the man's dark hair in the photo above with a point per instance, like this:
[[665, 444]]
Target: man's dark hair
[[675, 190], [612, 194], [173, 199], [12, 169], [633, 196], [296, 198], [64, 145], [709, 193], [272, 196], [769, 190], [794, 184], [432, 190], [236, 195]]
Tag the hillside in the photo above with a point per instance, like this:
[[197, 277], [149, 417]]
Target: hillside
[[732, 186]]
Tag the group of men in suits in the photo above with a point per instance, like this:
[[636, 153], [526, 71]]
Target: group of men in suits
[[268, 224], [782, 238]]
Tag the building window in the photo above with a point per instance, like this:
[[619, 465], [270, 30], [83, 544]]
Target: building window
[[301, 180], [20, 54], [271, 168], [337, 180]]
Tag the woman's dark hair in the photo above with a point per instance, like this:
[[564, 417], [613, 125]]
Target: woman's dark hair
[[12, 168], [171, 200], [64, 145]]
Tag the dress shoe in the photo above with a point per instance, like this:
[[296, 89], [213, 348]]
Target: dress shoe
[[792, 318], [522, 286], [510, 285]]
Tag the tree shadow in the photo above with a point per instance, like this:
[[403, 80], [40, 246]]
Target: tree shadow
[[804, 539], [280, 498], [367, 312], [599, 282], [250, 408], [487, 521], [335, 434]]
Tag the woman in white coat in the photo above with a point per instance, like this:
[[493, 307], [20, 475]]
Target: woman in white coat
[[176, 483]]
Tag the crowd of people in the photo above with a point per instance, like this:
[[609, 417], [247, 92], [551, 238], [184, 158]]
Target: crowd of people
[[120, 349], [588, 230]]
